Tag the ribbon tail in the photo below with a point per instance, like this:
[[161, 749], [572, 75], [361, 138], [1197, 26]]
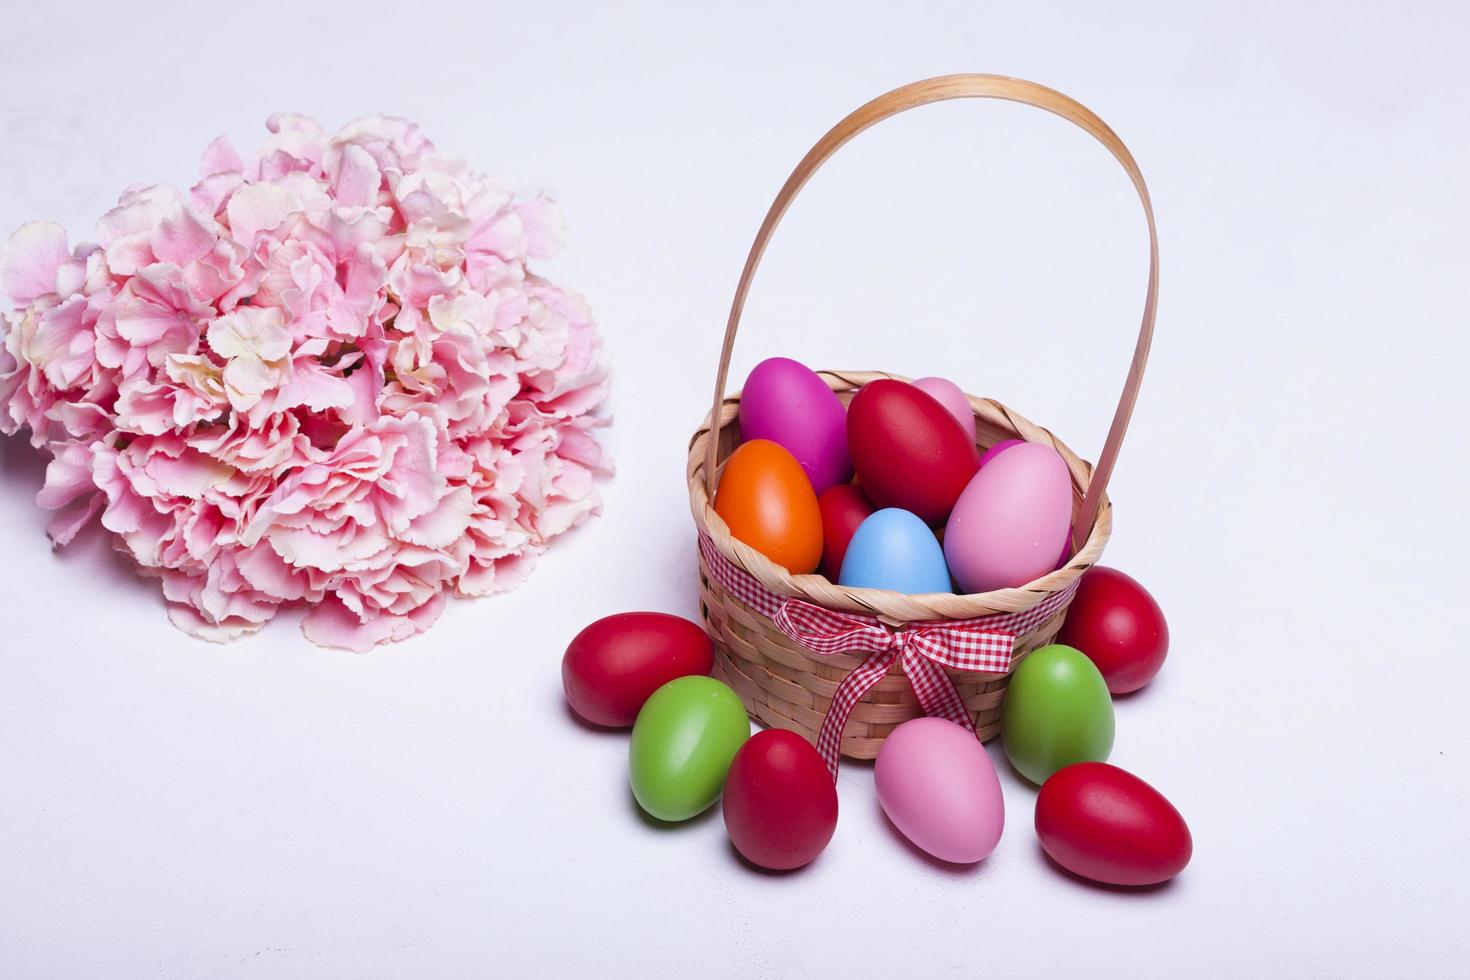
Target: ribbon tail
[[934, 689], [852, 689]]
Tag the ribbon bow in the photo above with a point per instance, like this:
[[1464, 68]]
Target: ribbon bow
[[922, 653], [922, 650]]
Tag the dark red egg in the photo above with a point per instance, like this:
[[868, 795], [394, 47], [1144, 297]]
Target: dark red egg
[[1119, 626], [780, 804], [843, 508], [612, 666], [908, 451], [1108, 825]]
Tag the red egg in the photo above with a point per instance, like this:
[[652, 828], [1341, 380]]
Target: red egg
[[908, 451], [780, 803], [1119, 626], [1108, 825], [612, 666], [844, 507]]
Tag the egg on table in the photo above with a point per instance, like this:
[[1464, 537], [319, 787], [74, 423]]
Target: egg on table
[[611, 667], [780, 805], [682, 744], [1120, 627], [1056, 712], [1103, 823], [937, 785]]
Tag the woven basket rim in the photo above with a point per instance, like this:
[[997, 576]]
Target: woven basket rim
[[895, 607]]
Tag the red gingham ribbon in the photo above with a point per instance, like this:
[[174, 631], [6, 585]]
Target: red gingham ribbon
[[923, 650]]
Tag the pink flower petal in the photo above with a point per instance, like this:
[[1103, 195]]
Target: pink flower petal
[[258, 208], [68, 475], [331, 624], [445, 524], [189, 620], [29, 260], [313, 387], [358, 178], [544, 228], [182, 237], [187, 475], [64, 345], [220, 158], [69, 520]]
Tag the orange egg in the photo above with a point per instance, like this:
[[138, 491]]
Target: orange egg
[[768, 503]]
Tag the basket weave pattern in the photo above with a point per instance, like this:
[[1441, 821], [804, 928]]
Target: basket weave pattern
[[786, 686]]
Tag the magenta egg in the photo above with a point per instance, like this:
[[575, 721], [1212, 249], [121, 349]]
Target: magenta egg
[[1066, 554], [999, 448], [1010, 523], [784, 401]]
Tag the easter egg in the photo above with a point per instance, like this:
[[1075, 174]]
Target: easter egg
[[895, 550], [1056, 712], [767, 501], [1009, 525], [908, 451], [999, 448], [948, 394], [843, 508], [1119, 626], [1108, 825], [683, 742], [784, 401], [780, 804], [612, 666], [936, 783]]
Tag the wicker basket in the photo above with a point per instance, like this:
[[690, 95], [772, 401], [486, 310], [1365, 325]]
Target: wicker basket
[[782, 683]]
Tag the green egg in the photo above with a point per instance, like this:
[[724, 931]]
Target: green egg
[[683, 742], [1057, 711]]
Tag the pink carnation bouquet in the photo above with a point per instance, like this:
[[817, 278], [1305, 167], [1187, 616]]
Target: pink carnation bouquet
[[325, 376]]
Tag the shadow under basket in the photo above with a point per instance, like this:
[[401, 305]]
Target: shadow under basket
[[782, 683]]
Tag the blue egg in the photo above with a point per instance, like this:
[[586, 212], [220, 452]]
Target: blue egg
[[894, 549]]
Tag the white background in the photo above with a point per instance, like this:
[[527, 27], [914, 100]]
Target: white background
[[1293, 490]]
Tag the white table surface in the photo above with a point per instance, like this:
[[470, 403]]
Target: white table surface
[[1293, 491]]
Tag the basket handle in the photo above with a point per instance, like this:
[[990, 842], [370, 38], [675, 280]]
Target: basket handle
[[942, 89]]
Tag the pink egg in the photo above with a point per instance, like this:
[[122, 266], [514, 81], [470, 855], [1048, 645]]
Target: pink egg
[[936, 783], [948, 394], [999, 448], [1010, 523]]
